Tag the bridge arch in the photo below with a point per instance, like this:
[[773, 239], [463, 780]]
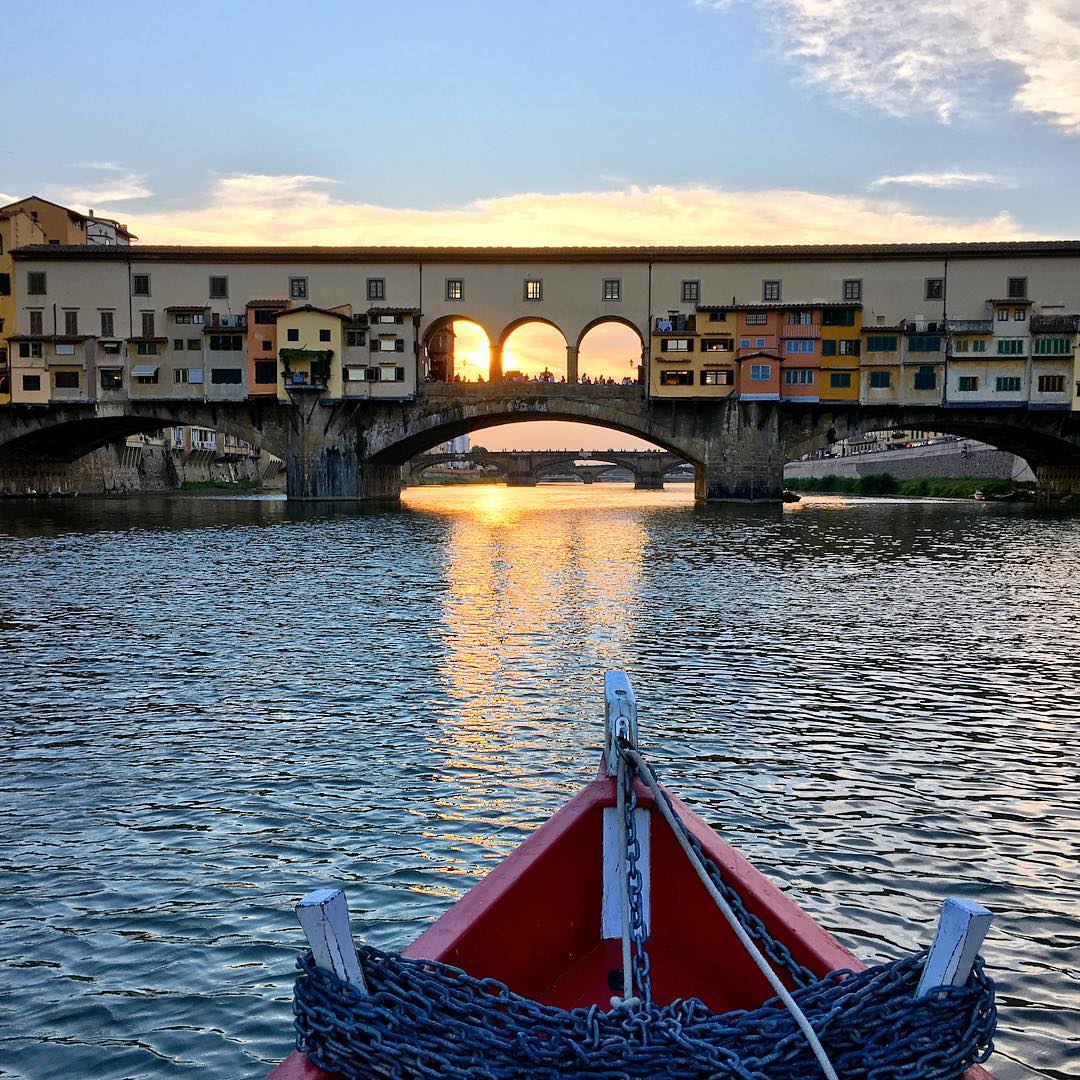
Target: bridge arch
[[557, 363], [65, 433]]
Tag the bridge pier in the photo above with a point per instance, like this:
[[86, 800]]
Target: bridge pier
[[1057, 481], [744, 455], [520, 479], [650, 477], [325, 459]]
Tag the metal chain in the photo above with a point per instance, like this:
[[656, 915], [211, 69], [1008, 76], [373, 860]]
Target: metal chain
[[642, 987]]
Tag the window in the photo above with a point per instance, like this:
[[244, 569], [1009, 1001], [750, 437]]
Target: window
[[31, 382], [849, 347], [266, 346], [800, 318], [967, 383], [264, 316], [840, 380], [112, 379], [1007, 384], [219, 288], [926, 378], [1010, 347], [852, 289], [760, 372], [880, 380], [534, 289], [292, 334], [760, 342], [107, 324], [195, 375], [1003, 314], [376, 288], [194, 344], [181, 317], [265, 371], [962, 344], [718, 378], [1019, 315], [691, 290], [799, 377], [612, 289], [455, 288], [744, 343], [140, 284], [356, 374], [673, 377], [146, 348], [1051, 384], [795, 346], [386, 344], [1055, 346], [324, 334], [881, 343], [178, 344], [676, 345], [924, 343], [5, 283], [297, 288], [770, 291], [828, 347], [147, 324], [1017, 288], [716, 344], [180, 375], [37, 319], [35, 283], [838, 316], [717, 316], [29, 350], [232, 375], [355, 337], [935, 288], [757, 318], [226, 343]]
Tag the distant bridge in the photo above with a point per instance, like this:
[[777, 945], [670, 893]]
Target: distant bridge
[[525, 468]]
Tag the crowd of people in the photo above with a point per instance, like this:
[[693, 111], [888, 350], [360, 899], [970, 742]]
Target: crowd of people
[[545, 376]]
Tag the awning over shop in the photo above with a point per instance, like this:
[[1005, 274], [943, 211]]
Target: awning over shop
[[141, 371]]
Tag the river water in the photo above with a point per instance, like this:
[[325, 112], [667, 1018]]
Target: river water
[[210, 707]]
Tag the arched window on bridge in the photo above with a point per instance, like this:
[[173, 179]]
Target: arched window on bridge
[[456, 350], [610, 349], [534, 350]]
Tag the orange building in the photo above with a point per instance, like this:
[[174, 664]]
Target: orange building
[[800, 345], [262, 347]]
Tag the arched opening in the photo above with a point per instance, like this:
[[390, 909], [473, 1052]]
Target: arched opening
[[456, 350], [533, 350], [610, 350]]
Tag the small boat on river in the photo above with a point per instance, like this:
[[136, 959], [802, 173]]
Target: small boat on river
[[625, 937]]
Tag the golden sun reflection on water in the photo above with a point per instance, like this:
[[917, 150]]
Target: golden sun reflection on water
[[523, 565]]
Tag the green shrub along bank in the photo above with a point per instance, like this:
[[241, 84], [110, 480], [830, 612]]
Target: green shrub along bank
[[939, 487]]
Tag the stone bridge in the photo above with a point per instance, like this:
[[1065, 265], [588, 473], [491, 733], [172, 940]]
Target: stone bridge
[[355, 449], [524, 468]]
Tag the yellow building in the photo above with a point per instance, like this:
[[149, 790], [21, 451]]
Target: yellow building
[[879, 368], [309, 350], [693, 355], [17, 229], [1054, 375], [841, 348]]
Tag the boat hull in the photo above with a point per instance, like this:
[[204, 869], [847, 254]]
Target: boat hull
[[534, 921]]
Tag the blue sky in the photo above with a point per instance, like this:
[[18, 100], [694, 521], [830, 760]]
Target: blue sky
[[606, 122]]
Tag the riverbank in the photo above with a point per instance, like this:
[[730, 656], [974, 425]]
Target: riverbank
[[937, 487]]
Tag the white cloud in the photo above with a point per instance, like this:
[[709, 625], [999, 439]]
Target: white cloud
[[939, 56], [257, 209], [117, 185], [946, 179]]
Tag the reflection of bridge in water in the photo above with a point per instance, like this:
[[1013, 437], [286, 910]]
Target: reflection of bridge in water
[[526, 468]]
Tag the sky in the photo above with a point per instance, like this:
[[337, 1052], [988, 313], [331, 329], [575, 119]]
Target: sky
[[613, 122]]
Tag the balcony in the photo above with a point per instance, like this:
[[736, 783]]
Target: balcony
[[675, 324], [214, 321], [800, 330], [969, 326]]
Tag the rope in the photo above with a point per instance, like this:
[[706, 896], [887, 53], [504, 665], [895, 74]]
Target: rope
[[663, 804]]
